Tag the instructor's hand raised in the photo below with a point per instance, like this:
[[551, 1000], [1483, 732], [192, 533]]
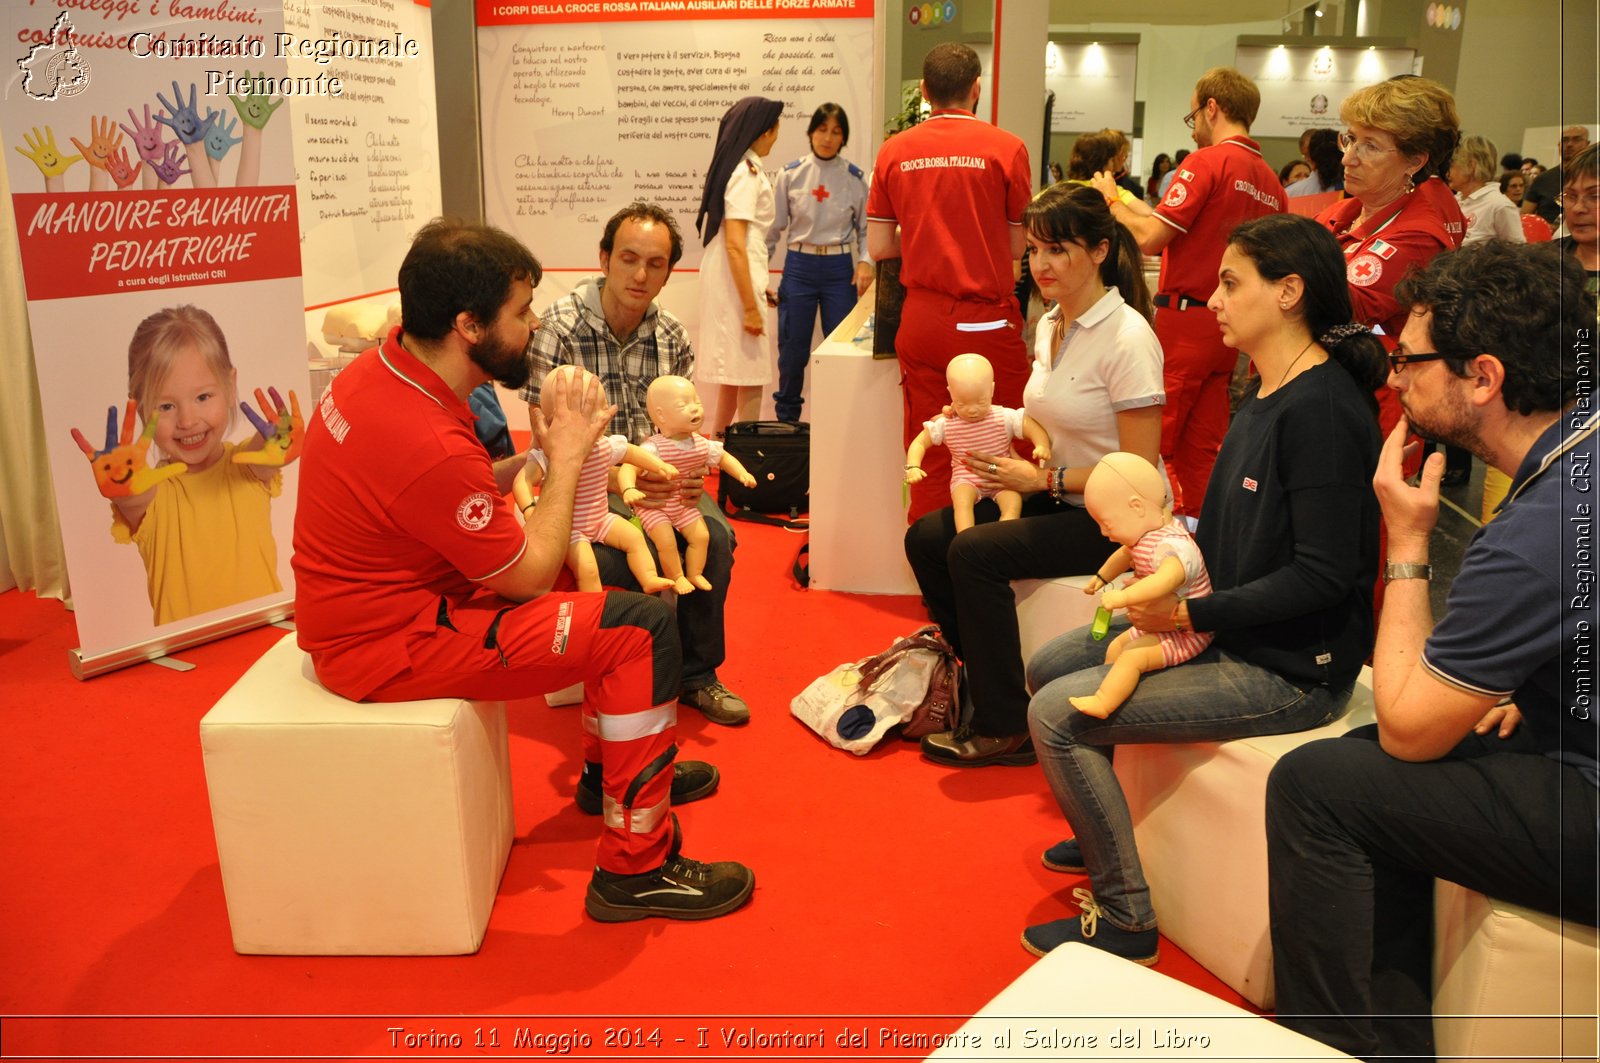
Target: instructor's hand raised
[[572, 414]]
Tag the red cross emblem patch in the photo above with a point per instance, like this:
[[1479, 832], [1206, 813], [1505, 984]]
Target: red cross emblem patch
[[474, 511], [1364, 270], [821, 192]]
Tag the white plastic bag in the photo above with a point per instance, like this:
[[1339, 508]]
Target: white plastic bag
[[834, 706]]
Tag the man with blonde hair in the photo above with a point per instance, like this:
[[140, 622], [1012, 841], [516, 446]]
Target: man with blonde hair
[[1223, 184]]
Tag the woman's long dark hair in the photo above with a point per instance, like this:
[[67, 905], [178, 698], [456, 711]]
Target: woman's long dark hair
[[1284, 244], [1066, 213], [1326, 157], [1156, 171], [741, 127]]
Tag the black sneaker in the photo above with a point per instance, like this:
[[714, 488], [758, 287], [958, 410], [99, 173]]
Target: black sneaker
[[1064, 856], [1140, 946], [679, 889], [691, 780]]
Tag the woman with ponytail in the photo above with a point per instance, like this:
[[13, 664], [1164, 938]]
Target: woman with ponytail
[[1096, 387], [1290, 538]]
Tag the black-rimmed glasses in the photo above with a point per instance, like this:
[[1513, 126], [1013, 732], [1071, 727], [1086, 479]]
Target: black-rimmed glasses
[[1400, 359]]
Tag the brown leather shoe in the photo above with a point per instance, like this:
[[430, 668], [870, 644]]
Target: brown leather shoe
[[718, 704], [965, 748]]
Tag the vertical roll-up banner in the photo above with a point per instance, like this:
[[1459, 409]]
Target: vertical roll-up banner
[[153, 182]]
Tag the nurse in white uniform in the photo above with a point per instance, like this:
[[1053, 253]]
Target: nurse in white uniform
[[736, 210]]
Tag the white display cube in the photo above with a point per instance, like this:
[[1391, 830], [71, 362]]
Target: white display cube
[[349, 828]]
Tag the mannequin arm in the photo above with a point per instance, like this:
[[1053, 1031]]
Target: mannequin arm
[[643, 459], [522, 485], [732, 466], [1034, 433], [914, 455], [1118, 563], [628, 481], [1160, 583]]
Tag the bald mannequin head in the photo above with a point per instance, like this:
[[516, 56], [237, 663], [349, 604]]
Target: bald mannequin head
[[674, 405], [970, 379], [576, 377], [1126, 496]]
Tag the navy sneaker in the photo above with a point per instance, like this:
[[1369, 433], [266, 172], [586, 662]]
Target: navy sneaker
[[1064, 856], [1140, 946], [691, 780]]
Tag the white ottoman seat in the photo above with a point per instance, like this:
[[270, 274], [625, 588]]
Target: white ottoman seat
[[1081, 1003], [1047, 608], [1511, 983], [346, 828], [1199, 818]]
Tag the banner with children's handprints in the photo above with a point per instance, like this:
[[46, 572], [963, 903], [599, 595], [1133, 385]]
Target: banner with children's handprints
[[153, 182]]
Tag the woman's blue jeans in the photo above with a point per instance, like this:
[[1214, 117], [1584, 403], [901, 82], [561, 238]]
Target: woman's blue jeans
[[1211, 697], [811, 283]]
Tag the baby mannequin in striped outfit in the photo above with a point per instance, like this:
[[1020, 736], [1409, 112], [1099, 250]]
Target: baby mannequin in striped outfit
[[592, 519], [677, 412], [1127, 498], [975, 424]]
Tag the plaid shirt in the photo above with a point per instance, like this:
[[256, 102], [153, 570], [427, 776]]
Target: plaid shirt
[[573, 331]]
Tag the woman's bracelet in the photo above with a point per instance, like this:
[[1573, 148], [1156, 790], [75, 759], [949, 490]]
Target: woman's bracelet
[[1056, 481], [530, 505]]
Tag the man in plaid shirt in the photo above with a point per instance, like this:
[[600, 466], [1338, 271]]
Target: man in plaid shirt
[[611, 326]]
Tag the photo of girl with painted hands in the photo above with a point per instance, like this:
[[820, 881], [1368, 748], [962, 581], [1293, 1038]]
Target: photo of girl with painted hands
[[198, 507]]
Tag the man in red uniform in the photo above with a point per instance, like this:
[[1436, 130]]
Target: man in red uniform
[[414, 579], [956, 187], [1224, 183]]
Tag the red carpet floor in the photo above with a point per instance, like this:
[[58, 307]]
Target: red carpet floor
[[887, 887]]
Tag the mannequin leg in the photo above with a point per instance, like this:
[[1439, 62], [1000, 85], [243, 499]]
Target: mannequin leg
[[963, 497], [1010, 503], [698, 536], [1132, 661], [630, 540], [580, 559], [667, 552]]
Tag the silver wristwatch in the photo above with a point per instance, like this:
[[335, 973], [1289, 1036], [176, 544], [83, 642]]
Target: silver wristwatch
[[1394, 570]]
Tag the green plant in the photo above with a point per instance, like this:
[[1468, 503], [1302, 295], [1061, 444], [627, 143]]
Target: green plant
[[910, 112]]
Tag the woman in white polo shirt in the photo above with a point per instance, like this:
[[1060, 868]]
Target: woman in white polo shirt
[[1096, 386]]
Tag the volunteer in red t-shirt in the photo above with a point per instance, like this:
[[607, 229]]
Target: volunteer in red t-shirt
[[1216, 188], [1397, 216], [956, 187], [414, 580]]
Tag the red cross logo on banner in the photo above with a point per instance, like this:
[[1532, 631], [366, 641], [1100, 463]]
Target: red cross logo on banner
[[821, 192]]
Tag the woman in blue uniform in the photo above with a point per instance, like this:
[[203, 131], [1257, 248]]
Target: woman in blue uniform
[[821, 201]]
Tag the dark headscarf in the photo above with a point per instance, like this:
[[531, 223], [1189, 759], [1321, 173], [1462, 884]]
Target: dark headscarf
[[740, 127]]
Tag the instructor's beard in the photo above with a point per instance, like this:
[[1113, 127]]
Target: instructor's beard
[[506, 364]]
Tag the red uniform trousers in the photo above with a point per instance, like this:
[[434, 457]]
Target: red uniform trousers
[[624, 649], [1196, 367], [931, 334]]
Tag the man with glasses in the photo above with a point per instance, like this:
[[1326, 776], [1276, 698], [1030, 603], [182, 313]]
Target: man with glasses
[[1545, 190], [1580, 209], [1217, 187], [1482, 767]]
